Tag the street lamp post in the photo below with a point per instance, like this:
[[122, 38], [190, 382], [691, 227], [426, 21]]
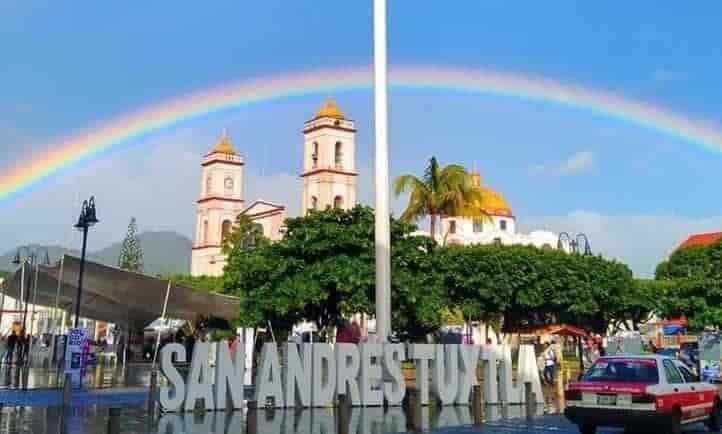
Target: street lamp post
[[575, 244], [86, 219], [28, 256]]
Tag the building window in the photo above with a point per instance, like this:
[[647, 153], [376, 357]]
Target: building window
[[204, 236], [502, 225], [338, 155], [338, 202], [314, 202], [209, 185], [226, 227], [314, 156], [452, 226], [228, 185], [478, 225]]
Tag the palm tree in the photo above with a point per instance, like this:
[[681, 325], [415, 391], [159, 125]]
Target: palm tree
[[446, 190]]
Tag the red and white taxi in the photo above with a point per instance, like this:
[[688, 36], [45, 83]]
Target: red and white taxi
[[653, 392]]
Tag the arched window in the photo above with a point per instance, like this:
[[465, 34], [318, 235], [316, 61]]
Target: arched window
[[314, 202], [209, 185], [338, 155], [204, 236], [226, 227], [338, 202], [502, 225], [314, 156]]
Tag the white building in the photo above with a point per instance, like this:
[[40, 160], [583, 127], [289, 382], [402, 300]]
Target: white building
[[499, 224], [328, 176]]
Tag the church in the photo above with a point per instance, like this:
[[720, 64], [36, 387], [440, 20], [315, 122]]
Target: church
[[328, 176], [329, 179]]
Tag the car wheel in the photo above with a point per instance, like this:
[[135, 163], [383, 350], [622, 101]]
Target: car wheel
[[587, 429], [675, 423], [713, 423]]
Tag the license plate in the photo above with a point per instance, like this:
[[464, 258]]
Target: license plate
[[607, 399]]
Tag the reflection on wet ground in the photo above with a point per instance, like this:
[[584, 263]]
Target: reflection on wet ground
[[322, 421], [133, 375]]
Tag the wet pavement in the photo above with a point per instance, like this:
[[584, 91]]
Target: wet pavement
[[127, 420]]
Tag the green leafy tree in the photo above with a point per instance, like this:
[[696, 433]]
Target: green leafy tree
[[523, 286], [692, 282], [323, 270], [131, 252], [446, 190], [700, 300], [246, 235]]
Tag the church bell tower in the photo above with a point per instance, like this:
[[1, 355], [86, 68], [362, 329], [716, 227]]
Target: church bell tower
[[220, 202], [329, 167]]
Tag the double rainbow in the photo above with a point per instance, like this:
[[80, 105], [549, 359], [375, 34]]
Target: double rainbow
[[126, 130]]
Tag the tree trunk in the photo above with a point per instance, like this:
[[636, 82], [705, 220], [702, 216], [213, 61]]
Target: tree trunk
[[433, 226]]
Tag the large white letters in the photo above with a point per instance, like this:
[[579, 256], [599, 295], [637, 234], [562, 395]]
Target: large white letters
[[171, 398], [268, 380], [491, 390], [528, 372], [370, 375], [468, 359], [367, 374], [508, 393], [394, 390], [229, 375], [347, 369], [323, 382], [297, 375], [200, 379], [444, 375], [421, 354]]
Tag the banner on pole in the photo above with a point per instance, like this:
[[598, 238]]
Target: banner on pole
[[74, 357]]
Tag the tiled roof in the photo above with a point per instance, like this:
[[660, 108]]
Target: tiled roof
[[701, 239]]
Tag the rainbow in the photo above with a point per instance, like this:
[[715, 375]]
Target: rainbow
[[126, 130]]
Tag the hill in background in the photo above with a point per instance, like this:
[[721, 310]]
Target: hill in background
[[164, 252]]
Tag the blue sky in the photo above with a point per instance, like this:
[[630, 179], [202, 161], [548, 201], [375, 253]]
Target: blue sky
[[66, 66]]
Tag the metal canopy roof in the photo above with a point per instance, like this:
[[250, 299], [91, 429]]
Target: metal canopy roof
[[118, 296]]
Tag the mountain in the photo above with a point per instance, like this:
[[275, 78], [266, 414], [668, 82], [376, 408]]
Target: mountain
[[164, 252]]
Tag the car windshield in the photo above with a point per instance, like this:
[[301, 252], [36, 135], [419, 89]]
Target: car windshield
[[623, 370]]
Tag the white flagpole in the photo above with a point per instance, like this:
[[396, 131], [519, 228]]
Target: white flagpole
[[383, 237]]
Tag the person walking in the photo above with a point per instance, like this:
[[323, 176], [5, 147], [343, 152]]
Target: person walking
[[11, 344], [550, 364]]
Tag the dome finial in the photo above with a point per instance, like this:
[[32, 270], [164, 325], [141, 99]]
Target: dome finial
[[330, 110], [224, 145]]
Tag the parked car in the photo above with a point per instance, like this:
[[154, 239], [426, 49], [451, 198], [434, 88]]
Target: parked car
[[656, 393]]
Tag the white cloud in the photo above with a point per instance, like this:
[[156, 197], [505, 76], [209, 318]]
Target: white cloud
[[576, 164], [640, 241], [667, 75]]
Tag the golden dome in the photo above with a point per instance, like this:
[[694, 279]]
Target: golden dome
[[492, 202], [224, 146], [330, 110]]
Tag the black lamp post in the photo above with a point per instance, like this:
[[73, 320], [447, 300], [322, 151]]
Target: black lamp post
[[575, 245], [29, 255], [86, 219]]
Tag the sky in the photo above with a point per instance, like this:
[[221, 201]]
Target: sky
[[635, 192]]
